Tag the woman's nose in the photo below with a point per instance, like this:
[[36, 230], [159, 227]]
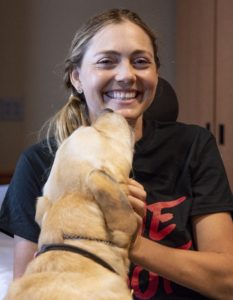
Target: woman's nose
[[125, 73]]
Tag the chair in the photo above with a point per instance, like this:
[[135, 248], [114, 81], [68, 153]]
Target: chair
[[164, 107]]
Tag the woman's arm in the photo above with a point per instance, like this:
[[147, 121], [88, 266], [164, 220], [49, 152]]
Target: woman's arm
[[208, 271], [24, 251]]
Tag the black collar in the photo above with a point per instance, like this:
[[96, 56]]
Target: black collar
[[71, 248], [67, 236]]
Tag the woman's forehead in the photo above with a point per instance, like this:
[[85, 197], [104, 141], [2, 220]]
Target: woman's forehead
[[117, 36]]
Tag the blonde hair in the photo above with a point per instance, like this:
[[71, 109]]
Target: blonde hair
[[75, 112]]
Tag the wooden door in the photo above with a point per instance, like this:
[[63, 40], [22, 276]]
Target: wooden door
[[224, 83], [204, 69], [195, 55]]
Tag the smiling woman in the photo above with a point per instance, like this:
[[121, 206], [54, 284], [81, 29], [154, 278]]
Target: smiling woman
[[120, 76], [180, 192]]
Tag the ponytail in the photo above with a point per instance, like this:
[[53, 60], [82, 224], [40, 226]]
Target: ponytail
[[71, 116]]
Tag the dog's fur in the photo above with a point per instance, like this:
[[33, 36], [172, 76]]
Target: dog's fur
[[85, 195]]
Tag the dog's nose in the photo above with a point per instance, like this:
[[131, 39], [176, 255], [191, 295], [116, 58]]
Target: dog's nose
[[108, 110]]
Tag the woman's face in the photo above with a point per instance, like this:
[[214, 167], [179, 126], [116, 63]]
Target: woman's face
[[118, 71]]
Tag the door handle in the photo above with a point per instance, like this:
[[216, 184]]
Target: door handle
[[221, 132]]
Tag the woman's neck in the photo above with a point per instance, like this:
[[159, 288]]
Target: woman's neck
[[137, 127]]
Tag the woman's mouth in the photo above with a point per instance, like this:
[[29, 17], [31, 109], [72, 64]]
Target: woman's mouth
[[122, 95]]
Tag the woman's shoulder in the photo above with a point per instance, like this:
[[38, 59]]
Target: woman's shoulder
[[184, 128], [36, 161], [175, 132], [42, 150]]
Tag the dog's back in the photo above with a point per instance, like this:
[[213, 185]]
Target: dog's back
[[64, 274], [84, 208]]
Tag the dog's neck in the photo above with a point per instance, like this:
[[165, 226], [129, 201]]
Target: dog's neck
[[74, 249], [115, 255]]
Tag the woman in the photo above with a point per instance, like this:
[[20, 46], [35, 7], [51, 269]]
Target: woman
[[185, 249]]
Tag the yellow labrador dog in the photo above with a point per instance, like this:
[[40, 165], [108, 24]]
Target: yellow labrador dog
[[87, 223]]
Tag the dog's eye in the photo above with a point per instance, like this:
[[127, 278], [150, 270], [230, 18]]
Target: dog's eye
[[108, 110]]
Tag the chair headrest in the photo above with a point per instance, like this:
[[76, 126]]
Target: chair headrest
[[165, 105]]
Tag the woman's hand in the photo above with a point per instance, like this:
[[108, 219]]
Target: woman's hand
[[137, 198]]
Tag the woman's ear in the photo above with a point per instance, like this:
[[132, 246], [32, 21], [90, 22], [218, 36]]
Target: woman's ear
[[74, 79]]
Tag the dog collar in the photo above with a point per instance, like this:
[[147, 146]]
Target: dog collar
[[79, 237], [74, 249]]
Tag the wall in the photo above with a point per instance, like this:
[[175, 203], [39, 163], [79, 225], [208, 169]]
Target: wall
[[204, 72], [13, 32], [35, 36]]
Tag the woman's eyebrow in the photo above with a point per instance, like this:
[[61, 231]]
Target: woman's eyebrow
[[109, 52], [114, 52], [143, 51]]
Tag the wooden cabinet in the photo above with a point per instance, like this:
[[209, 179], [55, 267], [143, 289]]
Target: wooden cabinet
[[204, 69]]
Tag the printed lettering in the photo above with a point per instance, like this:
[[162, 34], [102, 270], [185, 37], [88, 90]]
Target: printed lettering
[[158, 217], [155, 234]]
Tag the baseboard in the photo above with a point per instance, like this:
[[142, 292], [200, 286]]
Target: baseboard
[[5, 178]]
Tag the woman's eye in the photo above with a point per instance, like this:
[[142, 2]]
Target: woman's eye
[[106, 62], [141, 62]]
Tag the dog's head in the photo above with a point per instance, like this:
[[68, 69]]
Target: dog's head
[[114, 126], [106, 147]]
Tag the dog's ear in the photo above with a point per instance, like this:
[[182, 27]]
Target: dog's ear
[[113, 201], [42, 206]]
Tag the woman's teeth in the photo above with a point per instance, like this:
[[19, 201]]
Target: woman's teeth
[[121, 95]]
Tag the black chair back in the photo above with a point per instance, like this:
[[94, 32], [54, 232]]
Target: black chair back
[[164, 107]]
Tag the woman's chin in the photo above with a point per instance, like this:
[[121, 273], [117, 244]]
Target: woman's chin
[[129, 114]]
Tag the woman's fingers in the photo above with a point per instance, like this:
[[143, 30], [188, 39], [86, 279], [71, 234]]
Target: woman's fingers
[[137, 197]]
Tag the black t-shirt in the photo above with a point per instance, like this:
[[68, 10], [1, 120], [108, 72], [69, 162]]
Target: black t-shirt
[[180, 168]]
